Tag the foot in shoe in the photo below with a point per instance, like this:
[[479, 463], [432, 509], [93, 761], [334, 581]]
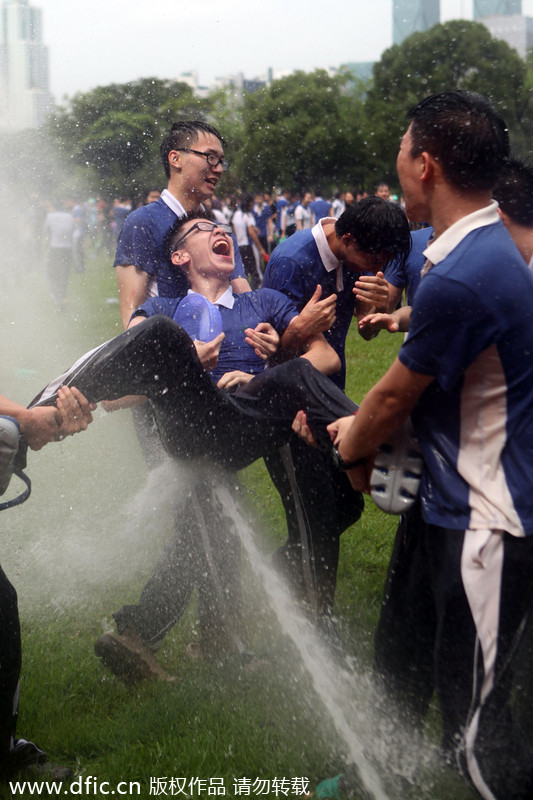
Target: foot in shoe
[[129, 658]]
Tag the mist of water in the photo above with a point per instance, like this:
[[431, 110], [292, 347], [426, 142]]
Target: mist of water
[[98, 519], [390, 758]]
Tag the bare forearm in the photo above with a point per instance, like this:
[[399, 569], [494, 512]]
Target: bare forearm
[[240, 285], [402, 317], [378, 417], [384, 409], [132, 290], [322, 356], [296, 335], [9, 408]]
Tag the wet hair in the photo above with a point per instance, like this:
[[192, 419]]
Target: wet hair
[[378, 226], [514, 191], [183, 134], [463, 132], [177, 229]]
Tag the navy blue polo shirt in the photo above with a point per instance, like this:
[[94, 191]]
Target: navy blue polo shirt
[[247, 311], [295, 268]]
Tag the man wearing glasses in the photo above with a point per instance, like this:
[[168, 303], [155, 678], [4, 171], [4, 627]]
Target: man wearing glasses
[[198, 419], [192, 155], [193, 159]]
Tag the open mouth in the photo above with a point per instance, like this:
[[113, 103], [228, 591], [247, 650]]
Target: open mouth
[[221, 247]]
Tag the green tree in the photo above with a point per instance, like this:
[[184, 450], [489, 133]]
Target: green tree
[[457, 54], [225, 114], [112, 133], [303, 132]]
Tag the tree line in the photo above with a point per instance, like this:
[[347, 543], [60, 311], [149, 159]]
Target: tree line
[[308, 130]]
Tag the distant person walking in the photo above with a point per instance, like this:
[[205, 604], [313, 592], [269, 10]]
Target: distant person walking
[[59, 232]]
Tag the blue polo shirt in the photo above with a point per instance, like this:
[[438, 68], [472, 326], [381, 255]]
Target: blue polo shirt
[[408, 276], [472, 330], [281, 203], [238, 312], [320, 207], [142, 243], [262, 217], [295, 268]]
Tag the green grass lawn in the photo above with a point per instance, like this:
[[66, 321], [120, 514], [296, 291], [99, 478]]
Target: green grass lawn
[[84, 544]]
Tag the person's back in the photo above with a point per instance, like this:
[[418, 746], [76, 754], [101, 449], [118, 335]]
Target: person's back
[[320, 208], [483, 279], [459, 593]]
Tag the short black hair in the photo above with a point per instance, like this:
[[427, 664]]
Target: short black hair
[[514, 191], [463, 132], [378, 226], [183, 134], [246, 201], [175, 231]]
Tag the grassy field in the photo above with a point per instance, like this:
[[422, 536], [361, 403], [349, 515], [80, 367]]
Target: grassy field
[[84, 544]]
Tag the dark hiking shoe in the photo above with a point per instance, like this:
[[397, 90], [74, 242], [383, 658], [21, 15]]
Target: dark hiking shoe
[[129, 658]]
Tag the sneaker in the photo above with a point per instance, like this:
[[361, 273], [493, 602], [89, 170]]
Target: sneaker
[[397, 471], [9, 444], [25, 754], [129, 658]]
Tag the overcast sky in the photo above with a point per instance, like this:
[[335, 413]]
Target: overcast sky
[[96, 42]]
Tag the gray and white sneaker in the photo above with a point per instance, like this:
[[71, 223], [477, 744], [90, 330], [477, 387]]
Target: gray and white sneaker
[[398, 465]]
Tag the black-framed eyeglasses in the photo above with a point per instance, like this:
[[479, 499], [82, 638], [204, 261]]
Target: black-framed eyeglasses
[[212, 159], [203, 225]]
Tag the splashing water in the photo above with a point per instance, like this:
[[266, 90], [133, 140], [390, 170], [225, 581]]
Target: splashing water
[[374, 741]]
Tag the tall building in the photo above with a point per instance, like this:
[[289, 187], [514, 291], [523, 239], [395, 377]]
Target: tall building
[[409, 16], [515, 29], [25, 99], [487, 8]]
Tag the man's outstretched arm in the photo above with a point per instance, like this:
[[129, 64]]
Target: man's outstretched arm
[[385, 408], [41, 425]]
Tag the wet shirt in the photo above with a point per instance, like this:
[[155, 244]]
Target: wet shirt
[[296, 267], [472, 330], [238, 312], [408, 276], [142, 242], [261, 215]]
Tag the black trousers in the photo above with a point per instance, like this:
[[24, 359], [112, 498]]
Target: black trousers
[[10, 661], [194, 418], [203, 553], [427, 639], [327, 506]]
